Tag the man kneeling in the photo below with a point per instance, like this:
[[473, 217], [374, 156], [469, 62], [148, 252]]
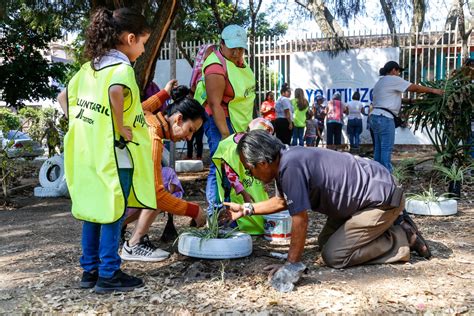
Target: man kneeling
[[366, 223]]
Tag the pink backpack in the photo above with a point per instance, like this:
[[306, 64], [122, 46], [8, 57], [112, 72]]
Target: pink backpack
[[204, 51]]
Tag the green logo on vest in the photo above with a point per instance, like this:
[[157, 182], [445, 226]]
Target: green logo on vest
[[93, 106], [140, 119]]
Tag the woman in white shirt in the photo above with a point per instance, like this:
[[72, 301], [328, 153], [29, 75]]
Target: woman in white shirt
[[284, 115], [387, 102]]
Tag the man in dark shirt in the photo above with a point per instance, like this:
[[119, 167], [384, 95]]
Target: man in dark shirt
[[359, 196]]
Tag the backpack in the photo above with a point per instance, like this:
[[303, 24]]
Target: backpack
[[204, 51]]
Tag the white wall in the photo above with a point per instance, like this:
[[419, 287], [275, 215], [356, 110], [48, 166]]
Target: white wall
[[358, 69], [162, 72]]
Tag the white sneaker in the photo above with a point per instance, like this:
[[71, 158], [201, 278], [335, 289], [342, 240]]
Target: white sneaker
[[143, 251]]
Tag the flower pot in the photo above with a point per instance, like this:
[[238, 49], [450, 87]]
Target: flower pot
[[455, 188], [237, 246], [443, 207]]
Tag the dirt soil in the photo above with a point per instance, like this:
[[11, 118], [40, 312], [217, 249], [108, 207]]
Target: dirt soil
[[40, 249]]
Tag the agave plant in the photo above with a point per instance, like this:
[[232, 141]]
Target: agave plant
[[427, 196], [213, 228], [446, 118]]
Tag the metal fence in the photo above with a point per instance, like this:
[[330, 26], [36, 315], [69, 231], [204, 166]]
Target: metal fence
[[430, 55]]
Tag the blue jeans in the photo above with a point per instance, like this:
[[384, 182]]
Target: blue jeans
[[100, 242], [213, 138], [310, 141], [298, 136], [354, 129], [384, 139]]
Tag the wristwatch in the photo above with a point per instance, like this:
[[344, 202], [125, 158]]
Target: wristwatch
[[248, 209]]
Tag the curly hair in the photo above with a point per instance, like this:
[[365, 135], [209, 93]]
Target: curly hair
[[103, 33]]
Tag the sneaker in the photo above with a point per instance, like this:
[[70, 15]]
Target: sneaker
[[121, 282], [143, 251], [89, 279]]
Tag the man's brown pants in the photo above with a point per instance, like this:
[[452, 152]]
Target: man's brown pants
[[368, 237]]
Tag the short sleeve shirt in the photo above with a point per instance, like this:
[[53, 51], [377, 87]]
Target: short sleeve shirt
[[387, 94], [333, 183], [282, 104]]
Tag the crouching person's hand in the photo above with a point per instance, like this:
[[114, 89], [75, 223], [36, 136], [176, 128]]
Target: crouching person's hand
[[283, 277], [200, 220]]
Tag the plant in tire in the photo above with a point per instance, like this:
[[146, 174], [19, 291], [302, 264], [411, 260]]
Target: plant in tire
[[213, 229], [447, 118]]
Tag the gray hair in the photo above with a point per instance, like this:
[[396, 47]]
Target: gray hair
[[259, 146]]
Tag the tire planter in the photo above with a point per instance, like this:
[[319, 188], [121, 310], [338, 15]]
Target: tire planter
[[189, 166], [441, 208], [51, 173], [47, 192], [237, 246]]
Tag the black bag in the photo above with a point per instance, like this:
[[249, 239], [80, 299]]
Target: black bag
[[398, 121]]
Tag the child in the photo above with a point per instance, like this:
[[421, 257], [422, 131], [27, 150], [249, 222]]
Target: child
[[311, 129], [234, 183], [107, 146]]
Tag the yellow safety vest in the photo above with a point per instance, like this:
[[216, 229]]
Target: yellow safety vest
[[89, 146], [242, 81], [227, 152], [299, 117]]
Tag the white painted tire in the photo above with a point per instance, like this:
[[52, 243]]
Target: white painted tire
[[189, 166], [237, 246], [52, 165], [441, 208], [47, 192]]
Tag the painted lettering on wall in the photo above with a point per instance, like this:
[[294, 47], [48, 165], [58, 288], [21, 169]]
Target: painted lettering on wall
[[346, 94]]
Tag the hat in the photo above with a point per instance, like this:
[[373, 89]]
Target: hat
[[261, 123], [389, 66], [234, 36]]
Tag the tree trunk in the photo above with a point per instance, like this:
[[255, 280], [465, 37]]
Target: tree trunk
[[161, 24], [326, 22], [215, 11], [462, 29], [418, 20], [389, 13]]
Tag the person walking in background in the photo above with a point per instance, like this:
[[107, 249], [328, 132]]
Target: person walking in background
[[319, 114], [284, 115], [267, 109], [354, 122], [387, 102], [300, 107], [311, 129], [335, 113], [101, 162], [227, 90]]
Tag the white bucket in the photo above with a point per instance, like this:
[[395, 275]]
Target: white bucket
[[278, 226]]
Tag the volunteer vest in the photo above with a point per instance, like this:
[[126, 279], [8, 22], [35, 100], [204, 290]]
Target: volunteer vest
[[89, 146], [227, 152], [242, 81], [299, 117]]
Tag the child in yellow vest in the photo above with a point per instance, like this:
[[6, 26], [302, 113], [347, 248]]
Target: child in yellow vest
[[107, 152], [234, 183]]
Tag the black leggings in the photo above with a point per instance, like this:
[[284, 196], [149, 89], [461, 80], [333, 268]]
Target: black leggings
[[334, 133], [282, 130]]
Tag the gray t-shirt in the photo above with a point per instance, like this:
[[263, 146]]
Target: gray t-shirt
[[333, 183], [282, 104], [388, 94]]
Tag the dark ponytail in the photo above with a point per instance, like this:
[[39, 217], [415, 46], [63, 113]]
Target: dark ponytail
[[103, 33], [189, 108], [285, 88]]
